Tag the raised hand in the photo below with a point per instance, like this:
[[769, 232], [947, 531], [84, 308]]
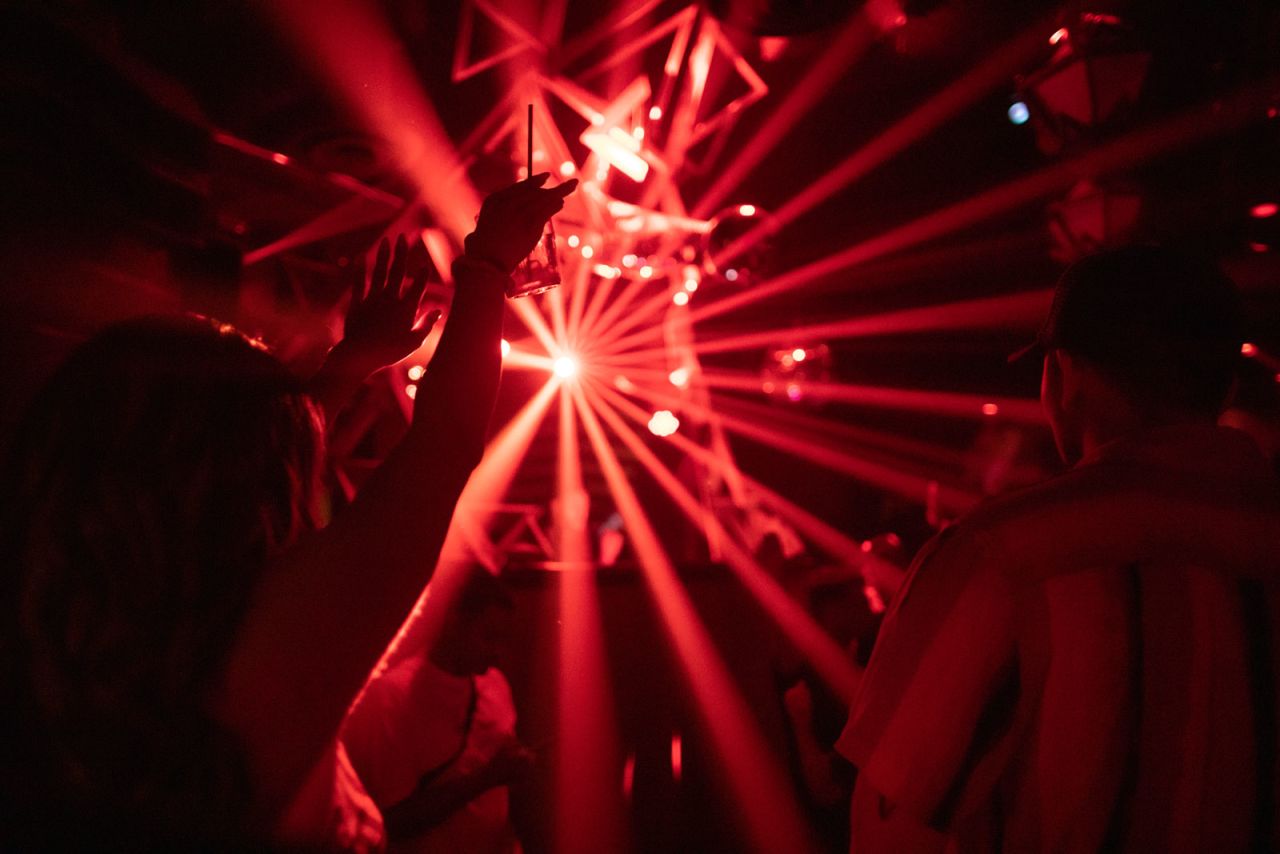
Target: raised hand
[[512, 219], [385, 321]]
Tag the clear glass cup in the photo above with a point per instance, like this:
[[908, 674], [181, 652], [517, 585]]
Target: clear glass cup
[[540, 271]]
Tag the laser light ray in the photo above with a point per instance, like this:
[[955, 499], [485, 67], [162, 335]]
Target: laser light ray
[[953, 404], [996, 70], [815, 644], [768, 808], [899, 481], [1191, 126], [362, 59], [1022, 310], [843, 52], [588, 815], [483, 490], [834, 542]]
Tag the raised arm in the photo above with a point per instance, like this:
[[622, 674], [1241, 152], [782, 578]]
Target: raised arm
[[327, 607], [384, 324]]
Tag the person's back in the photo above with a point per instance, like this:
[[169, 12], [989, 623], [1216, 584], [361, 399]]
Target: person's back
[[1088, 664]]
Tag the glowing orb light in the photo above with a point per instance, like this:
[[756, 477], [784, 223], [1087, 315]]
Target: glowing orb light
[[663, 423]]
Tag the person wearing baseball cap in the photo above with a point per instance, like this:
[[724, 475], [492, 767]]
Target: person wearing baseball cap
[[1088, 664]]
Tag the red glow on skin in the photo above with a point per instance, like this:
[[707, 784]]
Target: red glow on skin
[[1265, 210], [751, 773]]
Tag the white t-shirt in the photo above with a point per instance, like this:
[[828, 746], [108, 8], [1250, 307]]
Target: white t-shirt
[[417, 718]]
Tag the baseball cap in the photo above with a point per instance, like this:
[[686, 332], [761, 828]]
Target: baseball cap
[[1141, 302]]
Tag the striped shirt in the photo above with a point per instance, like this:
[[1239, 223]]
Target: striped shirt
[[1089, 664]]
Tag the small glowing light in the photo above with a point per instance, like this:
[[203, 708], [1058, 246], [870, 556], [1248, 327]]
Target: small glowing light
[[1058, 36], [624, 384], [1264, 210], [573, 241], [587, 251], [539, 155], [731, 275], [1259, 247], [565, 367], [522, 173], [646, 271], [567, 168], [690, 285], [506, 348], [1272, 112], [629, 775], [282, 159], [637, 132], [411, 390], [747, 210], [663, 423], [990, 409], [772, 47], [415, 372], [799, 354], [618, 149], [866, 545], [679, 377], [1247, 349], [794, 392], [1019, 113], [629, 260], [655, 112], [680, 298], [769, 387], [605, 271], [677, 757]]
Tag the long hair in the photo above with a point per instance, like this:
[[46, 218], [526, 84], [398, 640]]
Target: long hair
[[150, 483]]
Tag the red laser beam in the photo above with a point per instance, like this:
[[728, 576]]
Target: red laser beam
[[486, 486], [843, 52], [767, 806], [996, 70], [1188, 127], [352, 47], [588, 816], [892, 479], [834, 542], [818, 648], [1022, 310]]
